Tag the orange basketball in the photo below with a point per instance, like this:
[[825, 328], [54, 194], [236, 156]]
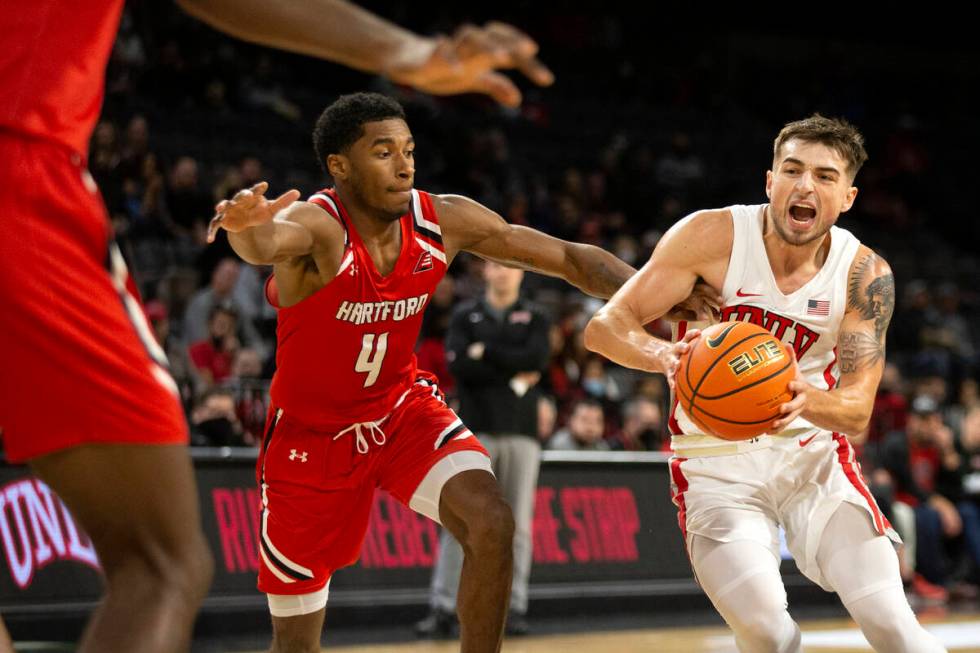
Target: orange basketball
[[732, 382]]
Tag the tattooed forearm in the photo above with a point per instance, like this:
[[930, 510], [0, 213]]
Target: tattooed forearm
[[873, 297], [859, 351]]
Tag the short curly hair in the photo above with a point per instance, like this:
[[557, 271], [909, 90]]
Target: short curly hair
[[835, 133], [342, 123]]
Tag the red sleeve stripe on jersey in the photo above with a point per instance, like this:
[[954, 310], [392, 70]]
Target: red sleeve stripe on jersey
[[431, 235], [828, 374], [432, 249], [323, 198], [427, 227], [422, 226], [328, 204]]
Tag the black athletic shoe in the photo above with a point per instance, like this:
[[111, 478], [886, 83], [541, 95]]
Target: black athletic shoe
[[517, 625], [438, 625]]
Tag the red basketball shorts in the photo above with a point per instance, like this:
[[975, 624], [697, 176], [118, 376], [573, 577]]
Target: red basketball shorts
[[317, 486], [78, 362]]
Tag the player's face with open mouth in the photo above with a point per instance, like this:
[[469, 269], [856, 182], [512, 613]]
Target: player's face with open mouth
[[808, 188]]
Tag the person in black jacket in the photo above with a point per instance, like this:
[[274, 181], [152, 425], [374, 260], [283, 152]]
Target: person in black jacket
[[496, 347]]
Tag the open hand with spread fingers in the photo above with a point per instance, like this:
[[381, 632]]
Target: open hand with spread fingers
[[468, 61], [248, 208]]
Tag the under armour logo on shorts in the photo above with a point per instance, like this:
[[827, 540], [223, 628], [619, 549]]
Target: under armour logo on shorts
[[293, 455]]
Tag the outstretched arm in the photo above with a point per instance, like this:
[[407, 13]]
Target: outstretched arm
[[470, 226], [256, 230], [698, 246], [860, 348], [340, 31], [267, 232]]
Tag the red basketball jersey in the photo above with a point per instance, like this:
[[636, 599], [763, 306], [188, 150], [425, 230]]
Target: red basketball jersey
[[53, 55], [347, 353]]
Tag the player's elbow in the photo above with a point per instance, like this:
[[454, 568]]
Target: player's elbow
[[861, 423], [257, 255], [248, 248], [858, 421], [253, 257]]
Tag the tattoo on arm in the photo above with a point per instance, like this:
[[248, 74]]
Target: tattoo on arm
[[859, 351], [874, 300]]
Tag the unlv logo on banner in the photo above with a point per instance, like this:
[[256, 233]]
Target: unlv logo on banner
[[36, 529]]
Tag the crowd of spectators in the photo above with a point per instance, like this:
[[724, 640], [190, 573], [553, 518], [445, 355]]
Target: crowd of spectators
[[620, 149]]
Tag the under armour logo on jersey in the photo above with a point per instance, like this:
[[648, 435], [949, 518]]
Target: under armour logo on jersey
[[295, 455], [424, 264]]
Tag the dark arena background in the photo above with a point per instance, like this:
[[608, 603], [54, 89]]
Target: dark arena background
[[648, 120]]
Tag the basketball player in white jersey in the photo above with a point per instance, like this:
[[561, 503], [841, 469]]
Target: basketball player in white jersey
[[784, 266]]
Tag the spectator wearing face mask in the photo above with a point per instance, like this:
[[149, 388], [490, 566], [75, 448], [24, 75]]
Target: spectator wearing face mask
[[598, 383], [643, 427]]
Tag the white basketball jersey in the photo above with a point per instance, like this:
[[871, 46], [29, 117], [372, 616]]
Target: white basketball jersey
[[808, 319]]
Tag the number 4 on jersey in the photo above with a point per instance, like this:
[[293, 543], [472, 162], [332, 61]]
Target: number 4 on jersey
[[372, 356]]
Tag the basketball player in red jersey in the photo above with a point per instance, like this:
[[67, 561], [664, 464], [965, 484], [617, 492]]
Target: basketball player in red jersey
[[86, 396], [785, 266], [355, 266]]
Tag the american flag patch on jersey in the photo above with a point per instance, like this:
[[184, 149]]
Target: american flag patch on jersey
[[818, 307]]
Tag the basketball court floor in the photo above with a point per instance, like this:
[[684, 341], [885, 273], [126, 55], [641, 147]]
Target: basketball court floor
[[960, 633]]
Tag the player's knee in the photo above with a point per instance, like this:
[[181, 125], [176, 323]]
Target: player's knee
[[184, 571], [767, 633], [187, 569], [198, 565], [490, 529], [888, 631]]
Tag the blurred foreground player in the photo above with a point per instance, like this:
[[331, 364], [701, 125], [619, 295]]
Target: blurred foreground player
[[86, 395]]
